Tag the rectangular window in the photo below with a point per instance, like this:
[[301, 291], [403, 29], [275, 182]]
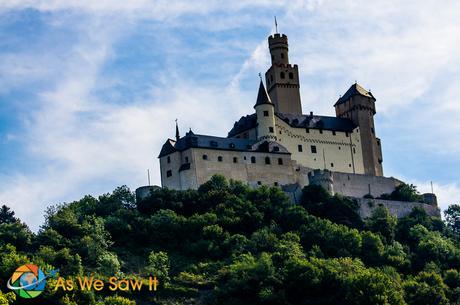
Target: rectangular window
[[270, 129], [265, 113], [280, 161], [168, 159], [333, 132], [169, 173], [320, 131], [205, 157], [332, 164], [235, 160], [220, 159], [186, 159], [313, 149], [307, 130], [300, 148], [346, 134]]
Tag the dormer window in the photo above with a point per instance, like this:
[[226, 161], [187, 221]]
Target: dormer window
[[276, 148]]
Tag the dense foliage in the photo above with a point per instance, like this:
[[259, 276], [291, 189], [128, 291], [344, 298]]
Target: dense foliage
[[226, 243]]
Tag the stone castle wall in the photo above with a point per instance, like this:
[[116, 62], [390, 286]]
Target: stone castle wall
[[396, 208]]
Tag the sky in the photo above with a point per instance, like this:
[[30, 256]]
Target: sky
[[89, 90]]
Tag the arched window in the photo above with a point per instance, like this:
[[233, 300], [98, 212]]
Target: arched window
[[220, 159], [282, 75], [253, 159], [235, 160], [267, 160], [205, 157], [291, 75]]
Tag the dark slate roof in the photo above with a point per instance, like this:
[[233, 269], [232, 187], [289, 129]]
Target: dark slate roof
[[192, 140], [262, 96], [355, 89], [244, 123], [317, 122]]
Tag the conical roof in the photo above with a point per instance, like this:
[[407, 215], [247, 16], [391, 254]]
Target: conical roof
[[262, 96]]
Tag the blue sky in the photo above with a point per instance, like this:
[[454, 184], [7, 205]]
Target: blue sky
[[89, 90]]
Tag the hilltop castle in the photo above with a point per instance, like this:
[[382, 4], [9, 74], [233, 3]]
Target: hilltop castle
[[278, 145]]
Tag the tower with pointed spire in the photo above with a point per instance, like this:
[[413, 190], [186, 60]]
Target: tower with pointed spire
[[282, 78], [265, 113]]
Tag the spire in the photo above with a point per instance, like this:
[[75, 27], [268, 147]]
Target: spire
[[276, 26], [262, 96], [177, 132]]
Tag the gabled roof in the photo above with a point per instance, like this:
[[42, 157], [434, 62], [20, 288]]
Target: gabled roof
[[262, 96], [317, 122], [167, 148], [243, 124], [192, 140], [355, 89]]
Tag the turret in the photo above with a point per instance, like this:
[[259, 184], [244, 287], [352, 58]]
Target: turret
[[265, 111], [282, 78], [358, 105]]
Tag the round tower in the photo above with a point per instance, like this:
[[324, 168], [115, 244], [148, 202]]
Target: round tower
[[282, 78], [322, 178], [265, 111], [279, 49]]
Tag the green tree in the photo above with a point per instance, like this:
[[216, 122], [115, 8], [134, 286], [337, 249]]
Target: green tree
[[117, 300], [108, 264], [405, 192], [7, 298], [426, 289], [158, 265], [6, 215], [452, 217], [383, 223]]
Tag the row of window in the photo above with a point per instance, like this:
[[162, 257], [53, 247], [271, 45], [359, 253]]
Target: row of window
[[282, 76], [334, 133], [253, 159], [312, 148]]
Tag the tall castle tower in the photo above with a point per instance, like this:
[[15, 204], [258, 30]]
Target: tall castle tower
[[282, 78], [265, 111], [358, 105]]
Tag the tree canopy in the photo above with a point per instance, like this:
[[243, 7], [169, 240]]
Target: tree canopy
[[227, 243]]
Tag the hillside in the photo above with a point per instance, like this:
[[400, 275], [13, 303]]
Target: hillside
[[227, 243]]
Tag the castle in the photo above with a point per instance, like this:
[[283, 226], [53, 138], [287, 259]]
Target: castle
[[279, 146]]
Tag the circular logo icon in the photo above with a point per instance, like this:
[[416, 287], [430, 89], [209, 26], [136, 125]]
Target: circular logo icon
[[27, 281]]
